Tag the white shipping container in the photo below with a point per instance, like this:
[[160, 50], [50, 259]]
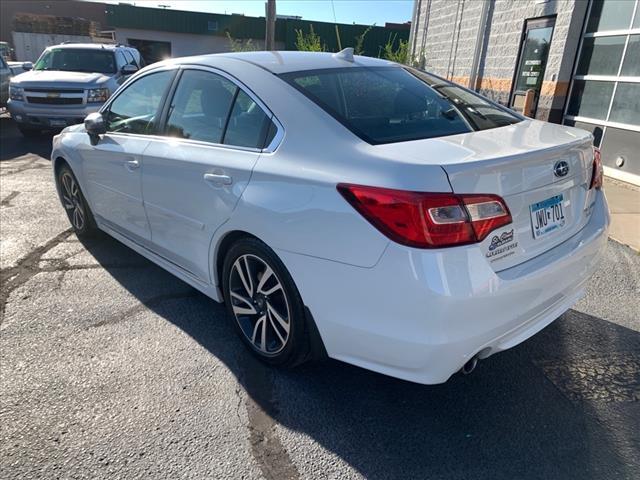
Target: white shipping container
[[29, 46]]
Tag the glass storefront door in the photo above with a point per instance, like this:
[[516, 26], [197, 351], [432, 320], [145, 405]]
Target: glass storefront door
[[534, 52]]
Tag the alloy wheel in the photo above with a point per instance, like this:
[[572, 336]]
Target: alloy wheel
[[72, 200], [259, 304]]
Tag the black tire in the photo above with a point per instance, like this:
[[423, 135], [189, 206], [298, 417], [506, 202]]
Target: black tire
[[28, 132], [74, 203], [296, 349]]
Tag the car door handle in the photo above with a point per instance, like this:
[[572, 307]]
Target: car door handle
[[132, 164], [218, 179]]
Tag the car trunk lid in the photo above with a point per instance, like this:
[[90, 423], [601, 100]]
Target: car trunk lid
[[542, 172], [516, 162]]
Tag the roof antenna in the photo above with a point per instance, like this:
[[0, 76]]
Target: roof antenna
[[345, 54]]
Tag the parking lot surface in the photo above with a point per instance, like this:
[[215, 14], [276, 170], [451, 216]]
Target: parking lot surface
[[113, 368]]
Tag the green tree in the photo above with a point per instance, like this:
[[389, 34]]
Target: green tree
[[397, 54], [359, 48], [238, 45], [309, 42]]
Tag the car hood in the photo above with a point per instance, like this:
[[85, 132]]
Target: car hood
[[58, 79]]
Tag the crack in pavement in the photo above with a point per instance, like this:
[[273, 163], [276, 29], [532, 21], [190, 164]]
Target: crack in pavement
[[25, 269], [145, 305], [33, 263], [32, 165], [266, 448], [6, 201]]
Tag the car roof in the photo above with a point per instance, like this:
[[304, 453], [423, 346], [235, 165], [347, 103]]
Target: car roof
[[285, 61]]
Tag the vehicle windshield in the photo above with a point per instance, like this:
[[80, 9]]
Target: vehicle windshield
[[394, 104], [77, 60]]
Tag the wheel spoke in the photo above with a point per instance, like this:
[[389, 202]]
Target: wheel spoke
[[246, 280], [273, 289], [249, 309], [274, 327], [260, 323], [275, 315], [66, 179], [74, 188], [266, 275], [264, 333], [66, 202], [78, 219]]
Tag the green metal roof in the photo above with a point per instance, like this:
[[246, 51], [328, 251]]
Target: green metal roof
[[242, 27]]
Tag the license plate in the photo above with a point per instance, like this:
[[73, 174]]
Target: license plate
[[547, 216], [56, 122]]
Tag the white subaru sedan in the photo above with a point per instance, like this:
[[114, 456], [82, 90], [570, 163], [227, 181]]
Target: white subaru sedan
[[343, 206]]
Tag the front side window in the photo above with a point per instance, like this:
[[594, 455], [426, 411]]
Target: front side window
[[393, 104], [135, 109], [77, 60], [209, 108]]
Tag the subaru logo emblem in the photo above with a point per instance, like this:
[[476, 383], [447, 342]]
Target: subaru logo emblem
[[561, 168]]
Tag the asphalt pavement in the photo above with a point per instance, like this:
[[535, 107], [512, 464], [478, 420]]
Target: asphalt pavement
[[112, 368]]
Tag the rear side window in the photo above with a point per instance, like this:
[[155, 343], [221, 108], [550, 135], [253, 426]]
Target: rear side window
[[248, 124], [135, 109], [392, 104], [201, 106], [209, 108]]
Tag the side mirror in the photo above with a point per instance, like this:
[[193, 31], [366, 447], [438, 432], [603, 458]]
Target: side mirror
[[128, 69], [26, 66], [94, 124]]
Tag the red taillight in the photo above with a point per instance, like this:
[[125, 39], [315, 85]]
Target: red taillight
[[597, 173], [428, 220]]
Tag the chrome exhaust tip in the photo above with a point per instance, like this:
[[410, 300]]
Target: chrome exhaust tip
[[470, 366]]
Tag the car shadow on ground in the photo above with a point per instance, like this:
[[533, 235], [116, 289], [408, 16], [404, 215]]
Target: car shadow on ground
[[534, 411], [13, 144]]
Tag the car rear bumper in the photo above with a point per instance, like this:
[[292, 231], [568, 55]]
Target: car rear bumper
[[420, 315], [45, 116]]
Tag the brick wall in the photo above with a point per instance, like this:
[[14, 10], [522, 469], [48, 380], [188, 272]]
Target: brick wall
[[445, 36]]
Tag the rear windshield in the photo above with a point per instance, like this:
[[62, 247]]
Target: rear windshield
[[77, 60], [394, 104]]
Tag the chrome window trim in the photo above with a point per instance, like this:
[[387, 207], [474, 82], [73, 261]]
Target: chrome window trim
[[273, 145], [202, 143]]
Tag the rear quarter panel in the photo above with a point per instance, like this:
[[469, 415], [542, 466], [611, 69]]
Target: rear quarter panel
[[291, 202]]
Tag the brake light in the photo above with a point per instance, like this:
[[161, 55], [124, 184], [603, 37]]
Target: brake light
[[597, 173], [428, 220]]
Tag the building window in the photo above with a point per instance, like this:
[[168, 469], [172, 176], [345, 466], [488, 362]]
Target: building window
[[590, 99], [212, 26], [610, 15], [604, 96], [601, 56]]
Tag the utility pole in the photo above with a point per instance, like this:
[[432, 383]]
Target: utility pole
[[269, 41]]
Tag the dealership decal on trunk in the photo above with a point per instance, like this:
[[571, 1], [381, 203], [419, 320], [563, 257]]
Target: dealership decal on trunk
[[501, 245]]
